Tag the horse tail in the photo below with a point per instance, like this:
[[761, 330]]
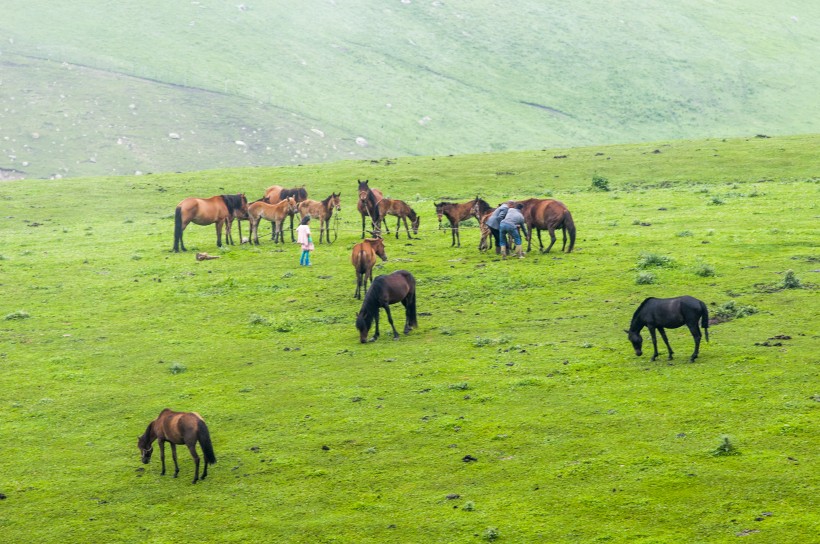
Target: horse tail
[[177, 227], [569, 224], [204, 438], [412, 320], [704, 319]]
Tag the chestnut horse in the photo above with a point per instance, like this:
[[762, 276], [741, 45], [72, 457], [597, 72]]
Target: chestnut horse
[[399, 208], [400, 286], [276, 194], [204, 211], [363, 258], [323, 210], [275, 213], [368, 204], [456, 213], [547, 214], [178, 428]]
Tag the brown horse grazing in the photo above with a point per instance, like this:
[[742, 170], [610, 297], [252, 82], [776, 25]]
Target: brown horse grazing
[[668, 313], [276, 194], [368, 204], [400, 286], [363, 258], [323, 210], [399, 208], [178, 428], [204, 211], [547, 214], [456, 213], [275, 213]]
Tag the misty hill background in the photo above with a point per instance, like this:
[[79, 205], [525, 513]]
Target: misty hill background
[[91, 89]]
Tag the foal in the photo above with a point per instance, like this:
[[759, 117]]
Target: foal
[[275, 213]]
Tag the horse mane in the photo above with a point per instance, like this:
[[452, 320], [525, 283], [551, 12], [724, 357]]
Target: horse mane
[[325, 201], [633, 326], [233, 202]]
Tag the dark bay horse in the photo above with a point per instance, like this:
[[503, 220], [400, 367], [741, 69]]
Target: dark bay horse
[[276, 194], [219, 209], [547, 214], [400, 209], [275, 213], [368, 204], [323, 210], [668, 313], [456, 213], [400, 286], [178, 428], [363, 259]]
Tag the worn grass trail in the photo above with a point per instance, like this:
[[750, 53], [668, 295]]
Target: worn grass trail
[[521, 364]]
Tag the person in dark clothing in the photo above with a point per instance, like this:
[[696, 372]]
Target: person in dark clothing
[[494, 223], [510, 225]]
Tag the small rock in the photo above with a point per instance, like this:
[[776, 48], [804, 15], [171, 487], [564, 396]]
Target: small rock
[[468, 458], [453, 496]]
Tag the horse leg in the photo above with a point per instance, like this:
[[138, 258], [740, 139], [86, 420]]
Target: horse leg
[[219, 234], [398, 226], [192, 449], [162, 454], [406, 317], [405, 228], [273, 231], [666, 341], [362, 226], [292, 238], [376, 335], [390, 320], [695, 330], [174, 455], [551, 230], [253, 236], [654, 342], [358, 293], [564, 245]]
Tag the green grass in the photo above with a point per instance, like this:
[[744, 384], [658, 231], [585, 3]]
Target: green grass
[[93, 91], [521, 364]]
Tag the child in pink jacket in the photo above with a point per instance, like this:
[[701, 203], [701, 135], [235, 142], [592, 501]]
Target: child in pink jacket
[[303, 237]]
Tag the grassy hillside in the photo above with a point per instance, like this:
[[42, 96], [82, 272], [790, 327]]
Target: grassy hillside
[[165, 86], [521, 364]]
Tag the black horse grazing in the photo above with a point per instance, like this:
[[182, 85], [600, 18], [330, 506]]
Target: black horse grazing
[[400, 286], [668, 313]]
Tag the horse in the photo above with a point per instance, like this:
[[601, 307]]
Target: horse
[[218, 209], [456, 213], [368, 204], [275, 213], [662, 313], [363, 258], [400, 286], [239, 215], [276, 194], [486, 241], [399, 208], [178, 428], [323, 210], [547, 214]]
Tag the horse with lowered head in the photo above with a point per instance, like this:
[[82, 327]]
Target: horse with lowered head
[[400, 286], [178, 428], [400, 209], [662, 313], [219, 209], [363, 259]]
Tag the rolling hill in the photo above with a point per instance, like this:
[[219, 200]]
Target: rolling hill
[[166, 86]]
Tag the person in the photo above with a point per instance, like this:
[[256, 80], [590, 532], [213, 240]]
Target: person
[[303, 237], [494, 223], [509, 225]]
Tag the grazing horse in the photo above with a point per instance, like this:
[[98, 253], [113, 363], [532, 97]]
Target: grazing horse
[[400, 286], [399, 208], [219, 209], [363, 258], [178, 428], [323, 210], [547, 214], [671, 313], [368, 204], [275, 213], [276, 194], [456, 213]]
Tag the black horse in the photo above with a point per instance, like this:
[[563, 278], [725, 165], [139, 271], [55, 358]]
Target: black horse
[[668, 313], [400, 286]]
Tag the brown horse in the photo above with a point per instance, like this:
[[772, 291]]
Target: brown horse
[[178, 428], [323, 210], [456, 213], [400, 209], [275, 194], [363, 258], [239, 215], [368, 204], [547, 214], [275, 213], [204, 211], [400, 286]]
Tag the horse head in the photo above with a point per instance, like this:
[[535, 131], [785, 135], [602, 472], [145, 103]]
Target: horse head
[[363, 326], [378, 246], [145, 449], [637, 341], [336, 202], [292, 205], [364, 189], [415, 220], [439, 211]]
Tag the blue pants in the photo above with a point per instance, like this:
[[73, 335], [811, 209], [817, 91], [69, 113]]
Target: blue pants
[[509, 229], [305, 259]]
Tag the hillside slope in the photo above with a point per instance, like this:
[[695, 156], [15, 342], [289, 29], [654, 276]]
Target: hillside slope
[[160, 86]]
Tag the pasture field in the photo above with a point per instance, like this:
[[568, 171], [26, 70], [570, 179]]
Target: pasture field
[[522, 365]]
